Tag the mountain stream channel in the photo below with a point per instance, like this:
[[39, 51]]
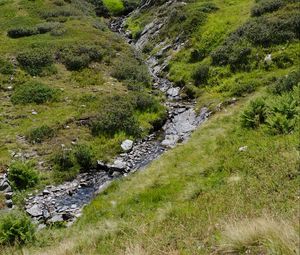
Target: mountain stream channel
[[64, 203]]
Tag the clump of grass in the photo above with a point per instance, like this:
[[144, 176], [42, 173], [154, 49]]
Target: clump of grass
[[36, 60], [265, 235], [33, 92], [16, 228], [40, 134], [22, 175]]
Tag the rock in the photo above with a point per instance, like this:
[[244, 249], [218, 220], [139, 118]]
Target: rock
[[55, 218], [119, 165], [8, 195], [170, 141], [9, 203], [244, 148], [127, 145], [40, 227], [35, 211], [4, 186], [268, 59], [33, 112], [46, 192], [173, 92]]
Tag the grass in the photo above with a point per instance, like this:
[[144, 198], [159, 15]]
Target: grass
[[114, 6], [185, 201], [203, 197]]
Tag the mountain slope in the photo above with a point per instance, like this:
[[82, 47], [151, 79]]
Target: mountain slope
[[233, 187]]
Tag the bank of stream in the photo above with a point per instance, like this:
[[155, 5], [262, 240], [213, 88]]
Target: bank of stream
[[65, 202]]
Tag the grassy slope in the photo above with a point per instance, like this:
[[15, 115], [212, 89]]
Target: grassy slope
[[187, 201], [77, 88], [184, 200]]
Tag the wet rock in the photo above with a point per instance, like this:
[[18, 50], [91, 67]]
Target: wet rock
[[9, 203], [55, 218], [8, 195], [127, 145], [4, 186], [35, 211]]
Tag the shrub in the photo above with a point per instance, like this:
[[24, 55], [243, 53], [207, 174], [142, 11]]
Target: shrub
[[35, 60], [208, 7], [64, 160], [266, 6], [22, 32], [197, 55], [78, 57], [283, 114], [33, 92], [285, 84], [255, 114], [131, 71], [201, 74], [118, 116], [241, 88], [84, 157], [40, 134], [22, 175], [75, 63], [6, 67], [16, 228], [145, 102], [239, 58]]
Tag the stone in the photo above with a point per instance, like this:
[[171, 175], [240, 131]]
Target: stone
[[46, 192], [56, 218], [35, 211], [9, 203], [33, 112], [173, 92], [8, 195], [268, 59], [127, 145], [170, 141], [243, 148], [4, 186]]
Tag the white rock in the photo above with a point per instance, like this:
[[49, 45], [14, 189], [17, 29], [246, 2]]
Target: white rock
[[127, 145], [268, 59], [244, 148]]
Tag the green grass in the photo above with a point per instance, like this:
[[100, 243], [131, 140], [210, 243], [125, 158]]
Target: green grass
[[114, 6], [187, 198]]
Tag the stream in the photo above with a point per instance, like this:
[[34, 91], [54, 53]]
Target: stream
[[64, 203]]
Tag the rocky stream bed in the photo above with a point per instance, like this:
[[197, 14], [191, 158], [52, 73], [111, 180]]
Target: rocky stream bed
[[64, 203]]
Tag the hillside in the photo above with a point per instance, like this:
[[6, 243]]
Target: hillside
[[80, 78]]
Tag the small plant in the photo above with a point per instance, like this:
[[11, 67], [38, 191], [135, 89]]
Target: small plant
[[64, 160], [118, 116], [283, 114], [255, 114], [6, 67], [286, 83], [35, 60], [22, 32], [84, 157], [22, 175], [33, 92], [16, 228], [266, 6], [201, 75], [40, 134]]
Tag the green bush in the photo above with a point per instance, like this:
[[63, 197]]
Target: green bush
[[117, 116], [79, 57], [16, 228], [145, 102], [283, 113], [201, 74], [6, 67], [22, 32], [255, 114], [64, 160], [286, 83], [84, 157], [22, 175], [34, 61], [33, 92], [266, 6], [197, 55], [132, 72], [40, 134]]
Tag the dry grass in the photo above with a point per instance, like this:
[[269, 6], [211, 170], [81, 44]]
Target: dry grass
[[264, 235]]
